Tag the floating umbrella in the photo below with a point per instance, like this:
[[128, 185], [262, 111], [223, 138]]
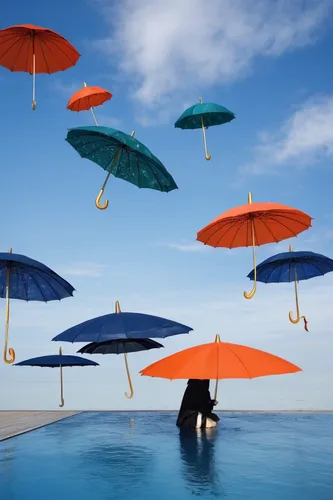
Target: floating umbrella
[[27, 279], [58, 361], [219, 360], [32, 49], [293, 266], [254, 224], [121, 155], [121, 347], [122, 326], [88, 98], [202, 116]]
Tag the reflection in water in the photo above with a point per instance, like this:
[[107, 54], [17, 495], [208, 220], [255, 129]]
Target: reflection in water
[[197, 451], [123, 463]]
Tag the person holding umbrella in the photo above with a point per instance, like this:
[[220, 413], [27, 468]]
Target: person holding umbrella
[[196, 408]]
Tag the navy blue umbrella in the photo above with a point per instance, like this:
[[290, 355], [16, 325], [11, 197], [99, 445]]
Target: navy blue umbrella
[[58, 361], [122, 325], [27, 279], [293, 266], [121, 347]]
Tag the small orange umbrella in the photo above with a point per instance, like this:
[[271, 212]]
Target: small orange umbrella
[[219, 360], [33, 49], [253, 225], [88, 98]]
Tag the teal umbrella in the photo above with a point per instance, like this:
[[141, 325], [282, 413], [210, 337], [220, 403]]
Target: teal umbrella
[[121, 155], [204, 115]]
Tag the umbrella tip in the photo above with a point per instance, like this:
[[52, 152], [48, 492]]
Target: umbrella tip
[[249, 198], [117, 307], [217, 338], [84, 83], [60, 351], [10, 250], [290, 248], [132, 133], [200, 100]]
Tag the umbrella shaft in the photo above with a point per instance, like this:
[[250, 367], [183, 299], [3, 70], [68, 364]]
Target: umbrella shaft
[[94, 117]]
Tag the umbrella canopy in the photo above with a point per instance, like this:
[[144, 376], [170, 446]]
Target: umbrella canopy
[[254, 224], [58, 361], [27, 279], [204, 115], [33, 49], [219, 360], [122, 326], [293, 266], [121, 155], [88, 98], [121, 347]]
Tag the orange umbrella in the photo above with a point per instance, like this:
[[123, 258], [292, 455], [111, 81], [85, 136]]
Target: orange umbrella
[[219, 360], [88, 98], [33, 49], [253, 225]]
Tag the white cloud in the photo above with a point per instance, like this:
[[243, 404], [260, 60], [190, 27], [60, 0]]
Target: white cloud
[[305, 138], [174, 49], [183, 246], [85, 269]]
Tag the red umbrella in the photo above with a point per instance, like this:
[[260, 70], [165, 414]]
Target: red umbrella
[[88, 98], [33, 49]]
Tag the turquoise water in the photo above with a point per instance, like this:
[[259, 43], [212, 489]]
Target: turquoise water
[[141, 456]]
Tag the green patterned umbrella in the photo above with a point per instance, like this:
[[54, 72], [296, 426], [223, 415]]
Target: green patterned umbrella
[[121, 155]]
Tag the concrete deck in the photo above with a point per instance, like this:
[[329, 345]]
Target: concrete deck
[[13, 423]]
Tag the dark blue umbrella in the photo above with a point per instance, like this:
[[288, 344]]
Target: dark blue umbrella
[[58, 361], [293, 266], [121, 347], [27, 279], [122, 325]]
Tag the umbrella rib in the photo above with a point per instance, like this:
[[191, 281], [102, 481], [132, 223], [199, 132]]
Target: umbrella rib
[[23, 39], [96, 150], [41, 292], [269, 230], [240, 360], [319, 271], [41, 42]]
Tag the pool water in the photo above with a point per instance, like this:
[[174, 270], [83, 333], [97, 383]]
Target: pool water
[[142, 456]]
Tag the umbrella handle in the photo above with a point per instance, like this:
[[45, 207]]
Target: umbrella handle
[[298, 319], [129, 396], [62, 404], [207, 155], [298, 316], [254, 289], [98, 199], [11, 352], [34, 103]]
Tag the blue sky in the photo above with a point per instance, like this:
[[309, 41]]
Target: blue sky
[[266, 61]]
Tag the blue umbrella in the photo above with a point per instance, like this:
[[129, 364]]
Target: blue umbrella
[[293, 266], [121, 155], [121, 347], [122, 325], [204, 115], [58, 361], [27, 279]]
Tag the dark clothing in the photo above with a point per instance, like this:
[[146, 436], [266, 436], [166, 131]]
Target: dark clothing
[[196, 400]]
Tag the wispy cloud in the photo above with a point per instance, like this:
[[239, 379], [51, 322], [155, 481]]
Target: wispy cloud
[[305, 138], [85, 269], [169, 51], [184, 246], [66, 88]]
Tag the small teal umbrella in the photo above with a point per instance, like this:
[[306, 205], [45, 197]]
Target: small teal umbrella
[[204, 115], [123, 156]]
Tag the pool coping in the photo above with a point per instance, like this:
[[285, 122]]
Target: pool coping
[[57, 418]]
